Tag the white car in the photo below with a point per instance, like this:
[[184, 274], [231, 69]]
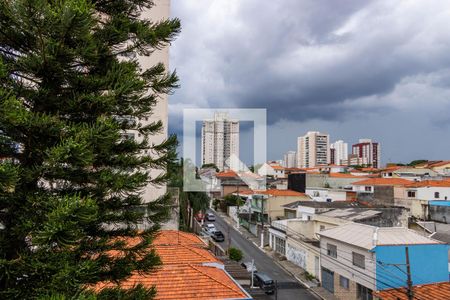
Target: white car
[[209, 228]]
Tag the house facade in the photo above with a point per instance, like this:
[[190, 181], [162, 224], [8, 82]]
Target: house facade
[[358, 259]]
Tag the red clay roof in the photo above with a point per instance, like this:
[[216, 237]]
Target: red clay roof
[[440, 290], [438, 164], [427, 183], [345, 175], [183, 274], [383, 181], [183, 254], [226, 174], [188, 282], [175, 237]]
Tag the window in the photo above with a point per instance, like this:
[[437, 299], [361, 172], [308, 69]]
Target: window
[[363, 293], [368, 188], [332, 250], [359, 260], [344, 282], [280, 245], [390, 174], [436, 195], [411, 194], [322, 227]]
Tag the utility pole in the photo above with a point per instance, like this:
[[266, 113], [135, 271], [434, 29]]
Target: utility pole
[[262, 222], [408, 273]]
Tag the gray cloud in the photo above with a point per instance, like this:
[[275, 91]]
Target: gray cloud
[[315, 61]]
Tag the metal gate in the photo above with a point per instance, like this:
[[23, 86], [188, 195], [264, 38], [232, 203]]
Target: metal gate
[[328, 280]]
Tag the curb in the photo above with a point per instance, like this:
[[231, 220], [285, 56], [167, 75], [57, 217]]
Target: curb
[[225, 218]]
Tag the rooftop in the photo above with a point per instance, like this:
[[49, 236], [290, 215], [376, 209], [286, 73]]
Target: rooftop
[[189, 270], [383, 181], [363, 236], [188, 282], [352, 214], [440, 290], [273, 192], [429, 183], [226, 174], [317, 204]]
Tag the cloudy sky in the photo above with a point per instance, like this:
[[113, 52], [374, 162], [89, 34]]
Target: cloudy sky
[[351, 68]]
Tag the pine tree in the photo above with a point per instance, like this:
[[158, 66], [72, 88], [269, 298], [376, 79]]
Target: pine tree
[[70, 87]]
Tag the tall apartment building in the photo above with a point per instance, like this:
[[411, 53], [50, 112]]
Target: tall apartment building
[[338, 152], [369, 151], [313, 149], [290, 159], [220, 140]]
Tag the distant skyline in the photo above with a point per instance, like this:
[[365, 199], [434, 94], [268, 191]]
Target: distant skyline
[[353, 69]]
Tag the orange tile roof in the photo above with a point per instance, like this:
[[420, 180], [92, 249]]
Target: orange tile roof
[[182, 274], [277, 167], [432, 183], [345, 175], [440, 290], [187, 282], [226, 174], [441, 163], [383, 181], [176, 237]]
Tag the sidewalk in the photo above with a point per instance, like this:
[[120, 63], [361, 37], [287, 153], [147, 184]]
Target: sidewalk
[[288, 266]]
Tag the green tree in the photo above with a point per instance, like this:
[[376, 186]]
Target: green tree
[[235, 254], [70, 87], [198, 201]]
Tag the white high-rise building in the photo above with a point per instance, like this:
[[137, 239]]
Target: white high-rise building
[[290, 159], [160, 11], [313, 149], [220, 140], [338, 152]]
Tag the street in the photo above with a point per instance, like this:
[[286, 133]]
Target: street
[[289, 287]]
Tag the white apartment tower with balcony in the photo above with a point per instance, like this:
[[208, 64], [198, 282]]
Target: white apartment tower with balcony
[[220, 140], [339, 152], [313, 149]]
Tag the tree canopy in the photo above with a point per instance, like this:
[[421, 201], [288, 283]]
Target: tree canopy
[[71, 89]]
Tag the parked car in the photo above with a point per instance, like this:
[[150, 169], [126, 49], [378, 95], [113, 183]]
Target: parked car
[[209, 228], [249, 266], [218, 236], [210, 217], [264, 282]]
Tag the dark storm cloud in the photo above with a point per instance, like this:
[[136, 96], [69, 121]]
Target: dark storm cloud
[[312, 59]]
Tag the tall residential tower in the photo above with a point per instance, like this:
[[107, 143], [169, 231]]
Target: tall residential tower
[[338, 152], [368, 151], [220, 140], [313, 149]]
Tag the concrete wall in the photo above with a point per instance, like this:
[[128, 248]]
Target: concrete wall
[[439, 213], [323, 180], [429, 263], [273, 206], [417, 208], [343, 293], [384, 195], [303, 255]]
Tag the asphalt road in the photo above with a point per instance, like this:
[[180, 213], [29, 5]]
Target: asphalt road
[[290, 288]]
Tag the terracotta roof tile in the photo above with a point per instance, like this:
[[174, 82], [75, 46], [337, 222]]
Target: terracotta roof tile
[[345, 175], [175, 237], [226, 174], [440, 290], [188, 282], [432, 183], [183, 254], [383, 181]]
